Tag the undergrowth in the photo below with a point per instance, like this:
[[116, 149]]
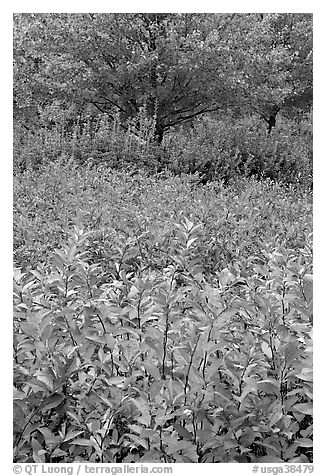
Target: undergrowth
[[157, 319], [222, 149]]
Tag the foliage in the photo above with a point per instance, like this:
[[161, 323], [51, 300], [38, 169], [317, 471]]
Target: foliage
[[274, 65], [84, 139], [156, 319], [215, 148], [178, 66], [227, 148], [162, 238], [237, 218]]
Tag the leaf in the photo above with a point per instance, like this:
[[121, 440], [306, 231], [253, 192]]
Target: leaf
[[46, 379], [271, 381], [183, 432], [304, 442], [36, 445], [138, 440], [97, 338], [305, 374], [72, 434], [275, 416], [226, 277], [269, 459], [152, 370], [299, 459], [191, 241], [305, 408], [136, 428], [229, 444], [248, 437], [106, 401], [291, 352], [53, 402], [18, 395], [118, 381], [50, 438], [148, 433], [249, 387], [39, 457], [224, 317], [28, 329], [58, 453], [145, 417], [110, 341], [82, 442], [266, 350], [188, 224]]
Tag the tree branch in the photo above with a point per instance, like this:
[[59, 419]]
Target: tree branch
[[190, 116], [114, 104]]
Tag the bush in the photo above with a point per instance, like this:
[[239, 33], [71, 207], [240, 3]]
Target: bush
[[156, 319], [98, 139], [228, 148], [222, 149], [237, 219], [162, 365]]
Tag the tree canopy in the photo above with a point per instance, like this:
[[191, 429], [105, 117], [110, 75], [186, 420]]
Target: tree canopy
[[176, 66]]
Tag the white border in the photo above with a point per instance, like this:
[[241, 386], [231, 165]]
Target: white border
[[319, 188]]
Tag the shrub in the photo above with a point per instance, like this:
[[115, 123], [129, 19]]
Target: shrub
[[222, 149], [163, 365], [228, 148], [237, 219], [88, 138], [157, 319]]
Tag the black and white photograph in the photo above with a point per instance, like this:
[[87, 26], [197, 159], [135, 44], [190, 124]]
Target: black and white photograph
[[162, 171]]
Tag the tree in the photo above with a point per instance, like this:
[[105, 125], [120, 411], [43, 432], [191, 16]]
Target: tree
[[177, 66], [165, 62], [274, 64]]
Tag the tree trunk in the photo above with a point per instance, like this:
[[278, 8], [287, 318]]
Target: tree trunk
[[271, 121], [159, 133]]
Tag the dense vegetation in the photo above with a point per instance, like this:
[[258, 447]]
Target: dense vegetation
[[162, 238], [196, 92]]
